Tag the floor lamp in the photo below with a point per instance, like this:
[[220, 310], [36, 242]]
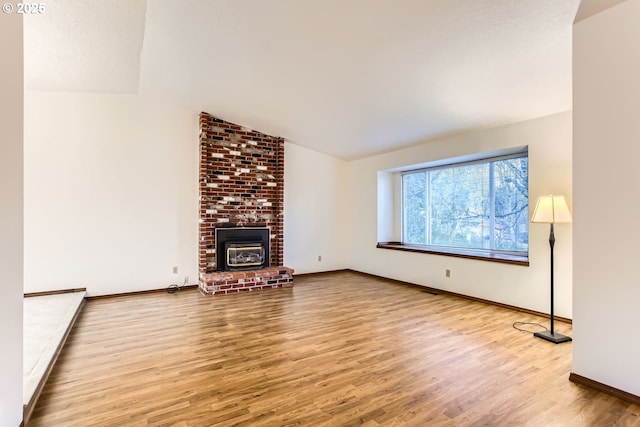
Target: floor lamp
[[549, 210]]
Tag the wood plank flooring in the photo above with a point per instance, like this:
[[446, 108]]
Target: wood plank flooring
[[341, 349]]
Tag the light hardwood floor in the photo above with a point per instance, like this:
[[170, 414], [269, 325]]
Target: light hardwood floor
[[341, 349]]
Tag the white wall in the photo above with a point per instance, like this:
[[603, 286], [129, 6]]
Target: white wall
[[606, 150], [11, 220], [549, 141], [111, 193], [316, 211]]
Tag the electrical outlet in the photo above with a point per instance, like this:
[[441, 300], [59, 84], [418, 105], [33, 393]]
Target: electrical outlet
[[175, 270], [319, 257], [447, 273]]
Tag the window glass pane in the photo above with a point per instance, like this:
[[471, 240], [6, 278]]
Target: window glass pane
[[511, 204], [414, 193], [458, 206]]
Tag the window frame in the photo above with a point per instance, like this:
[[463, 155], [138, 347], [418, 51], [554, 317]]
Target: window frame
[[508, 256]]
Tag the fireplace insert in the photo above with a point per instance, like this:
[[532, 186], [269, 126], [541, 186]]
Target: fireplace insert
[[242, 248]]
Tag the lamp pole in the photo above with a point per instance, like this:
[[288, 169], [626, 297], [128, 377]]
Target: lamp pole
[[552, 241]]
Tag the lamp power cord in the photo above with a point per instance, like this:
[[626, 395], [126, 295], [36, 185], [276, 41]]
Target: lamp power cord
[[518, 326], [173, 288]]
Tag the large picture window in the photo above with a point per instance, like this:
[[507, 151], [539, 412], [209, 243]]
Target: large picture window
[[480, 205]]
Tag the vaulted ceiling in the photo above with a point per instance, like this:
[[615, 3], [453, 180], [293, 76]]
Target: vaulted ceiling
[[349, 78]]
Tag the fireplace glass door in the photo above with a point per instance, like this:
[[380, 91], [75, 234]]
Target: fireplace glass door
[[245, 255]]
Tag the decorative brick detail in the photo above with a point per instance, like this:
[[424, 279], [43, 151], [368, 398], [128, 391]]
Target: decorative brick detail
[[241, 185], [231, 282]]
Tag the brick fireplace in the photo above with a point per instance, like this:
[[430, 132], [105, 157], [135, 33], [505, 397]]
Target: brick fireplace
[[241, 187]]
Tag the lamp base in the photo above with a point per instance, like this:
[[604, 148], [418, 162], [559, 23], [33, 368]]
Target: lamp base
[[554, 338]]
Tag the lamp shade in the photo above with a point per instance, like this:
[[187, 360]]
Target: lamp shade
[[551, 209]]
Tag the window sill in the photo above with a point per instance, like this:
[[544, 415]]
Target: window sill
[[460, 253]]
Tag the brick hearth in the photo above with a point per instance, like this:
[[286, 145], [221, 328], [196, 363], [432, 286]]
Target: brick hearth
[[231, 282]]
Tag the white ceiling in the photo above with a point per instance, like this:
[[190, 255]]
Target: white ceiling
[[349, 78]]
